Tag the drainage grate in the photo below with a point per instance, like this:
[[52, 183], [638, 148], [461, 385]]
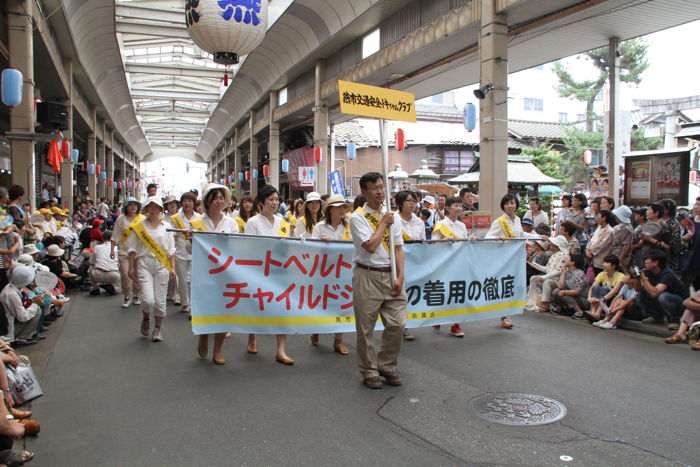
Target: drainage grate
[[518, 409]]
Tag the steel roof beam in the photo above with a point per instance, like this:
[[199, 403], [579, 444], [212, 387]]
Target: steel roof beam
[[177, 124], [187, 96], [169, 70], [151, 30], [150, 14]]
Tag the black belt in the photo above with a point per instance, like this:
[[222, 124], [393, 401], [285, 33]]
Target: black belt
[[373, 268]]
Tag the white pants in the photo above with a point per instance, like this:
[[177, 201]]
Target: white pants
[[183, 269], [153, 279], [98, 277]]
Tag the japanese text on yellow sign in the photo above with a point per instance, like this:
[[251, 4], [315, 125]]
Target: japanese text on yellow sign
[[373, 101]]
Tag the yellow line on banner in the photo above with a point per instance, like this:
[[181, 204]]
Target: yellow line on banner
[[321, 320]]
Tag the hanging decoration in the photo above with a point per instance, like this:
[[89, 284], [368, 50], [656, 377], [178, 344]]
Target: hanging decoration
[[103, 176], [351, 151], [65, 150], [91, 169], [240, 176], [109, 181], [114, 185], [11, 87], [285, 165], [400, 139], [53, 157], [119, 185], [255, 174], [247, 175], [75, 155], [469, 116], [266, 170], [226, 29], [587, 157], [317, 154], [97, 169]]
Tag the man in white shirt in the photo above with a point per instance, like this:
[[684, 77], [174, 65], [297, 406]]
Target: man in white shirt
[[103, 211], [374, 292], [104, 269]]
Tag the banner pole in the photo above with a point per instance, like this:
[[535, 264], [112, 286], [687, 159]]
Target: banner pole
[[387, 190]]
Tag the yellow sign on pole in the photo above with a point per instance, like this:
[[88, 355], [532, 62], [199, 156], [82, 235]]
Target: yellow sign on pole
[[373, 101]]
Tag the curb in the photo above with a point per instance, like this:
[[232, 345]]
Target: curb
[[657, 330]]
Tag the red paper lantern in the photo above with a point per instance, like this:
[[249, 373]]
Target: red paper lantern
[[109, 181], [266, 170], [247, 175], [65, 150], [97, 169], [317, 155], [587, 157], [119, 185], [400, 139]]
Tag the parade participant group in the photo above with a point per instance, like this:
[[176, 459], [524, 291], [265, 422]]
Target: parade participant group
[[593, 261]]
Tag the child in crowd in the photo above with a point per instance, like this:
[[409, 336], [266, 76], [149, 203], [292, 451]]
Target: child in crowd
[[606, 286], [425, 215], [620, 304]]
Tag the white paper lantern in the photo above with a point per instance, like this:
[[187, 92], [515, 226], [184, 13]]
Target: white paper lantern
[[226, 29]]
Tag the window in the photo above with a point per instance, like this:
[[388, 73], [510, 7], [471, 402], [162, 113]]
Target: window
[[563, 117], [534, 104], [458, 161], [437, 99], [580, 117], [370, 44], [282, 96]]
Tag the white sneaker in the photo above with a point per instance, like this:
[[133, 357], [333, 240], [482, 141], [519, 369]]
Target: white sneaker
[[607, 325], [126, 303], [598, 323], [156, 336], [136, 301]]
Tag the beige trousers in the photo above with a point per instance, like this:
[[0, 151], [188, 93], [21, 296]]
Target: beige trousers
[[98, 277], [371, 298], [126, 282]]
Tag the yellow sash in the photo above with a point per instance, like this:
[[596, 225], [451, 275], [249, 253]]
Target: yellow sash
[[293, 220], [374, 220], [405, 236], [128, 230], [505, 227], [346, 232], [178, 222], [151, 244], [444, 230], [198, 224], [284, 229], [241, 224]]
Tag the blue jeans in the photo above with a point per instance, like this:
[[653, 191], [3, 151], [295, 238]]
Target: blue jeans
[[666, 304], [599, 291]]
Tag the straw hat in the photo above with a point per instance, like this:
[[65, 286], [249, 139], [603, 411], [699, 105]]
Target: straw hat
[[312, 196], [54, 250], [153, 200], [560, 242], [336, 200], [29, 249], [170, 199], [214, 186], [429, 199]]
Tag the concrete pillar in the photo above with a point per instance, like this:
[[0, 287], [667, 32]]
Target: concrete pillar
[[253, 157], [101, 158], [124, 173], [227, 171], [671, 127], [493, 122], [92, 155], [110, 166], [237, 163], [67, 165], [273, 146], [321, 129], [21, 45], [613, 144]]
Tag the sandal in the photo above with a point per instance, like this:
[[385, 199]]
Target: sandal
[[695, 346], [341, 349], [675, 339], [506, 323], [31, 427], [15, 457]]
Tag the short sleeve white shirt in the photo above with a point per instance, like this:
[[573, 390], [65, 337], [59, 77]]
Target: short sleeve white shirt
[[261, 226], [362, 231], [414, 228], [159, 234], [457, 227], [183, 248], [324, 230]]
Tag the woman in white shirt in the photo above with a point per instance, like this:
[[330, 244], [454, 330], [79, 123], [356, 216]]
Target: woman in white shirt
[[172, 205], [334, 226], [214, 198], [183, 248], [121, 233], [535, 213], [312, 215], [151, 250], [270, 224]]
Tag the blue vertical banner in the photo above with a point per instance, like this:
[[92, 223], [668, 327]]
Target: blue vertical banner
[[268, 286], [336, 183]]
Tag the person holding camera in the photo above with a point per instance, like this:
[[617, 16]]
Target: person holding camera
[[662, 292]]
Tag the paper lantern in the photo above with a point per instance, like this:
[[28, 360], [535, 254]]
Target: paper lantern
[[75, 155], [65, 150], [97, 169], [119, 185], [109, 181], [285, 165], [255, 174], [11, 87], [400, 139], [103, 176], [351, 151], [240, 176], [114, 185], [318, 154], [226, 29], [587, 157], [266, 170], [469, 114], [247, 175], [91, 169]]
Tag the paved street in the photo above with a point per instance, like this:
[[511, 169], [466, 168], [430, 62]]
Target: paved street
[[113, 398]]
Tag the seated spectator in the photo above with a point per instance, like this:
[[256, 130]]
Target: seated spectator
[[527, 224], [36, 255], [662, 292], [547, 282], [569, 230], [606, 286], [621, 304], [105, 267], [572, 288], [539, 255], [623, 234], [55, 264], [23, 314], [690, 315]]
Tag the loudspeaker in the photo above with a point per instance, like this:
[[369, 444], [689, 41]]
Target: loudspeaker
[[52, 115]]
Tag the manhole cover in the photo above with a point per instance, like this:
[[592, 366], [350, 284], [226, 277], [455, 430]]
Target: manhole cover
[[518, 409]]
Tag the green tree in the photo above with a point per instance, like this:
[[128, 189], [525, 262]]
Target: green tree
[[577, 142], [633, 63], [642, 143], [549, 161]]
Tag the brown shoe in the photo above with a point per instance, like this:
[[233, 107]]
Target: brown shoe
[[373, 382], [675, 339], [314, 339], [284, 360], [31, 427], [219, 360], [392, 379], [19, 414]]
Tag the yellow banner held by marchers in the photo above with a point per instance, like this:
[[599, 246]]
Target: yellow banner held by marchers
[[373, 101]]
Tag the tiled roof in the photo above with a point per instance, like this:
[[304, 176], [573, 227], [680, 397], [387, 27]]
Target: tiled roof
[[518, 172], [438, 111], [352, 131], [525, 129]]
